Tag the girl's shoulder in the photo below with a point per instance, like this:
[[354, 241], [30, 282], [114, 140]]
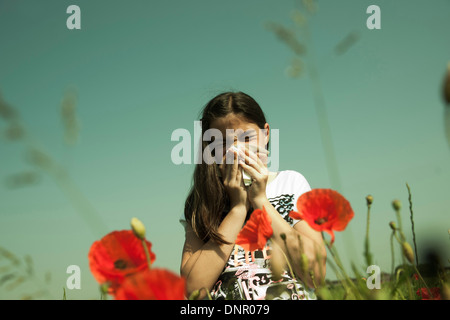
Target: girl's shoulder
[[288, 181], [284, 192], [291, 176]]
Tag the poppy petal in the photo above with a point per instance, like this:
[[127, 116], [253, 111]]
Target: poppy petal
[[331, 233], [152, 284], [256, 232], [117, 255], [295, 215], [324, 210]]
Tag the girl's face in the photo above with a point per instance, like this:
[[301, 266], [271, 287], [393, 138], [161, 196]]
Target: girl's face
[[240, 132]]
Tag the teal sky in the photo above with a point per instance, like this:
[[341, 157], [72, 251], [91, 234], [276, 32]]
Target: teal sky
[[142, 69]]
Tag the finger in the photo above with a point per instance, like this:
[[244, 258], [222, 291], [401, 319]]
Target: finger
[[261, 153], [260, 168], [234, 166], [251, 161], [253, 156], [239, 177], [252, 172], [222, 166], [263, 157], [228, 164], [256, 148]]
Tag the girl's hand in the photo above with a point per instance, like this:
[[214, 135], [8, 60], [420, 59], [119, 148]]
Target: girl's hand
[[257, 170], [233, 182]]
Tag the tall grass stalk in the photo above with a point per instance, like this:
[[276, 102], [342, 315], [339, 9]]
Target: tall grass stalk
[[392, 252], [396, 204], [412, 223], [338, 262], [38, 157], [367, 254]]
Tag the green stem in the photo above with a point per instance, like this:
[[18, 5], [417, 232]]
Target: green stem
[[339, 276], [400, 229], [306, 270], [404, 264], [395, 289], [147, 254], [411, 294], [392, 252], [288, 257], [341, 267], [321, 273], [207, 293], [421, 279], [412, 224], [289, 265], [311, 274], [398, 239], [367, 254]]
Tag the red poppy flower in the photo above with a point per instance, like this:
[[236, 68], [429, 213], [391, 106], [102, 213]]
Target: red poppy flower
[[256, 232], [116, 255], [423, 293], [152, 284], [324, 210]]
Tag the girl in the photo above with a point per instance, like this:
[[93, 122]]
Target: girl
[[219, 203]]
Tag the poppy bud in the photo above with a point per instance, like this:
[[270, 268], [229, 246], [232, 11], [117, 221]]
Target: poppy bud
[[138, 228], [369, 200], [408, 252], [393, 225], [397, 205], [283, 236], [104, 288], [194, 295]]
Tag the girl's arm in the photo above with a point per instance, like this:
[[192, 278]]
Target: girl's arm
[[202, 263], [311, 243]]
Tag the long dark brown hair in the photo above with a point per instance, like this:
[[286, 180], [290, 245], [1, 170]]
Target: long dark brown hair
[[208, 202]]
